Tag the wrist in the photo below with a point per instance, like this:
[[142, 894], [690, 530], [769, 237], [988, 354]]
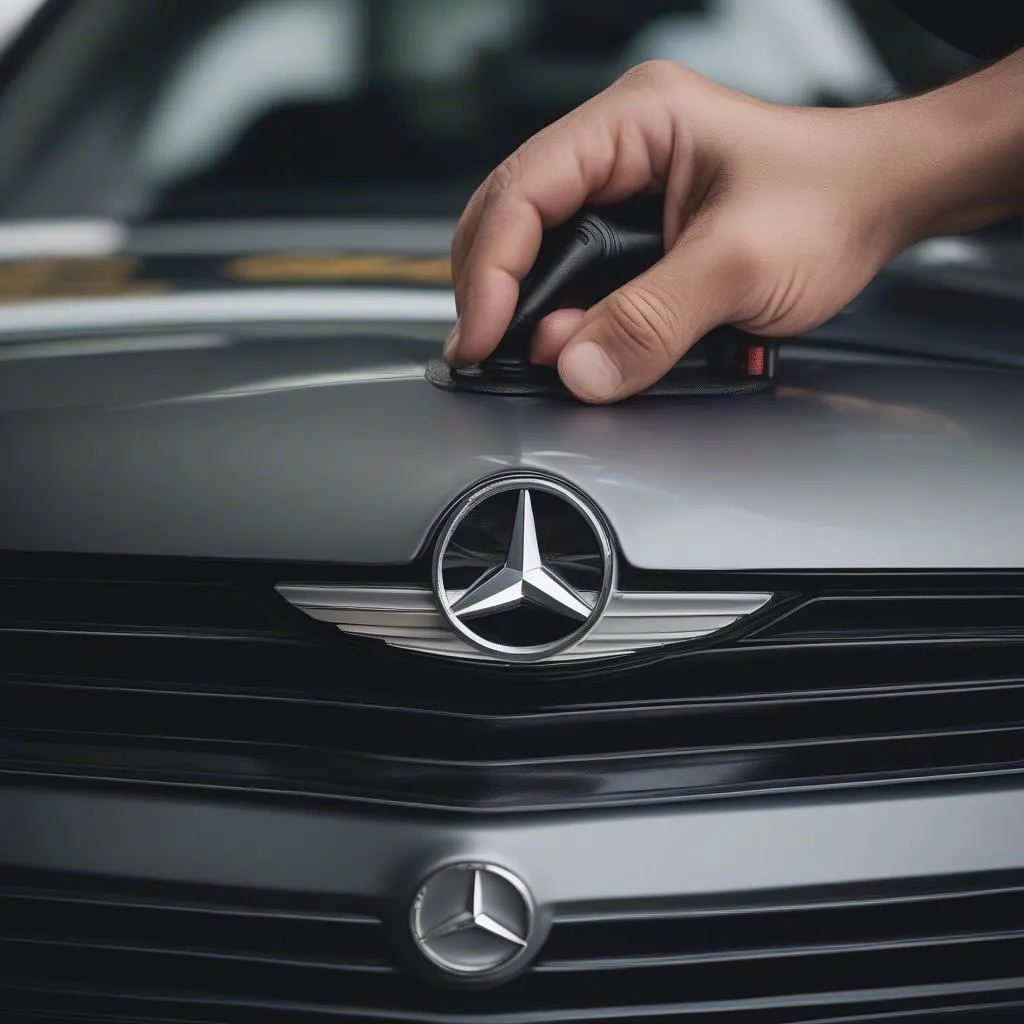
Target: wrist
[[952, 159]]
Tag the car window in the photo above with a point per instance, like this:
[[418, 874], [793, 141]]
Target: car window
[[779, 50], [263, 54], [394, 107]]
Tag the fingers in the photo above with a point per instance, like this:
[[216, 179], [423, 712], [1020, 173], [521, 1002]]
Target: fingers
[[462, 240], [552, 334], [504, 248], [610, 148], [633, 337]]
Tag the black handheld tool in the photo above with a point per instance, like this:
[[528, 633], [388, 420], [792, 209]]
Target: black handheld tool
[[579, 263]]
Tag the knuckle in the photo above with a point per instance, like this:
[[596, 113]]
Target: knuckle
[[505, 175], [653, 74], [645, 322]]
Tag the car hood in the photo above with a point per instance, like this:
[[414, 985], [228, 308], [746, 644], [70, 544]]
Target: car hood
[[330, 446]]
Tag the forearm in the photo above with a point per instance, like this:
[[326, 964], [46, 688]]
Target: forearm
[[958, 152]]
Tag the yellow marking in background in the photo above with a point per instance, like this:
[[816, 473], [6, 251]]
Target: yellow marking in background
[[335, 267], [25, 280]]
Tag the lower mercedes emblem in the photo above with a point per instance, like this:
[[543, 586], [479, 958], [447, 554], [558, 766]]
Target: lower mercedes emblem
[[472, 919]]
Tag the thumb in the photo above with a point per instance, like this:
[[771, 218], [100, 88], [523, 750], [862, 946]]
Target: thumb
[[632, 338]]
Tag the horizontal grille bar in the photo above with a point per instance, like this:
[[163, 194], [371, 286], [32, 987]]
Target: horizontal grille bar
[[540, 785], [929, 1013], [163, 607], [898, 616]]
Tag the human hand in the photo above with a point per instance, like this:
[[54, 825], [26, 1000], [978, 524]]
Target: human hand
[[774, 219]]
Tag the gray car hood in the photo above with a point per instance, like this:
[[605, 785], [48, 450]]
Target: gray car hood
[[336, 449]]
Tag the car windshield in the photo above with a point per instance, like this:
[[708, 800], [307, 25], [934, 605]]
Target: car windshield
[[169, 110]]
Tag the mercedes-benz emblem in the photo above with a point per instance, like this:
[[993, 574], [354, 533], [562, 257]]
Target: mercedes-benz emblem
[[472, 919], [523, 568]]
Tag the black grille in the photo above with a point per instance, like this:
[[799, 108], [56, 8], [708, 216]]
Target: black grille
[[166, 679], [896, 616], [221, 684], [72, 945]]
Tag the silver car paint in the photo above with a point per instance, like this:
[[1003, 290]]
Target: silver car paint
[[334, 448]]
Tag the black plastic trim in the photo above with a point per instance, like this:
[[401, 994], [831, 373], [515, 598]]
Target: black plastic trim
[[203, 678]]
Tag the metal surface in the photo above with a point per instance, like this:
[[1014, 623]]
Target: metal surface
[[521, 574], [473, 920], [568, 861], [335, 449], [287, 305], [408, 618]]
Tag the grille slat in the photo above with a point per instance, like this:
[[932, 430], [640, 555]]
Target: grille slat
[[84, 948], [886, 615], [972, 1012], [749, 955], [510, 786]]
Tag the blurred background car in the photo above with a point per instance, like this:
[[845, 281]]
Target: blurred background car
[[165, 111], [13, 15]]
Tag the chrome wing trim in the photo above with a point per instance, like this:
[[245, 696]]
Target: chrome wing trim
[[408, 618]]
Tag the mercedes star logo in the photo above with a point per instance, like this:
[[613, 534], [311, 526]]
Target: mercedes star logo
[[523, 568], [472, 919]]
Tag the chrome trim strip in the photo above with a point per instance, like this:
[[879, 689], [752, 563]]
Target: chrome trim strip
[[56, 239], [285, 305], [408, 618]]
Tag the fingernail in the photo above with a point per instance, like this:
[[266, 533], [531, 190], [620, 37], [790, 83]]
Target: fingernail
[[452, 343], [589, 372]]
